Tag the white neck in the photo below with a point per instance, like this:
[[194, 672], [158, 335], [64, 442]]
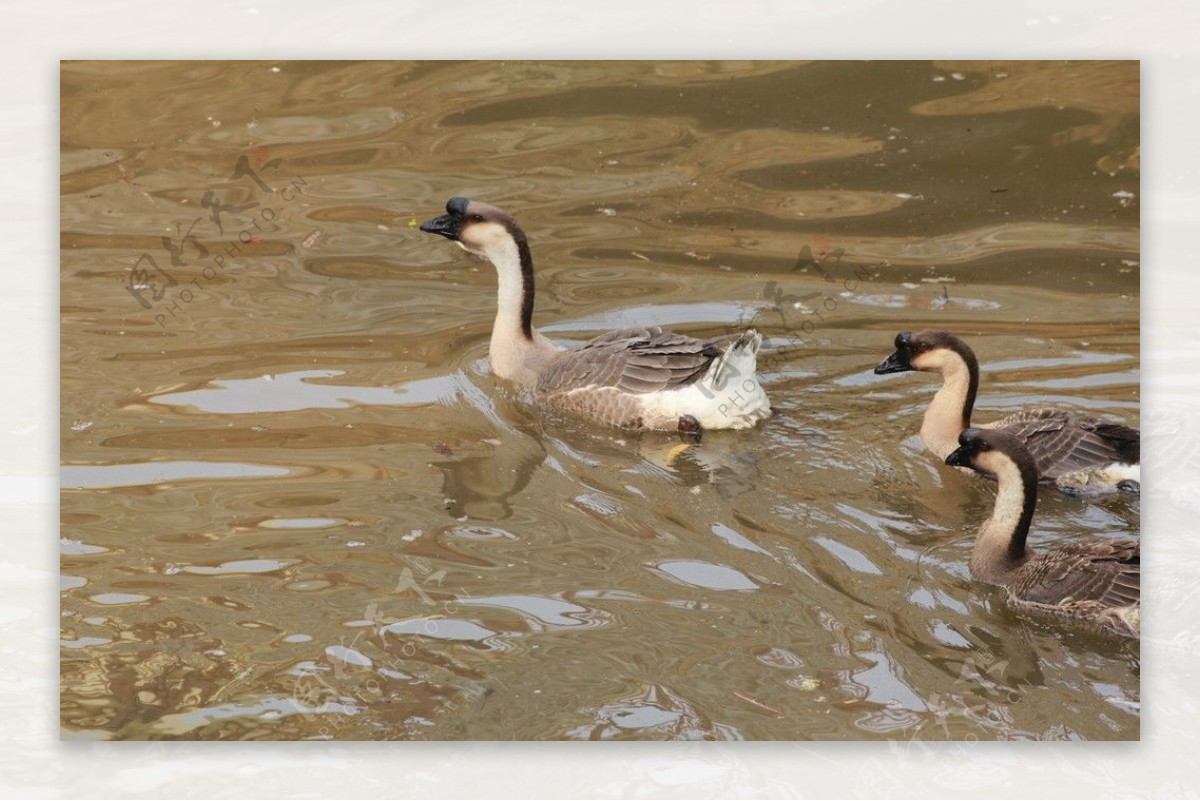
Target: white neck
[[992, 558], [944, 418], [514, 356], [502, 252]]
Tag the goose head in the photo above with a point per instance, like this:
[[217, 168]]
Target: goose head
[[971, 443], [925, 351], [478, 228], [991, 452], [1000, 546]]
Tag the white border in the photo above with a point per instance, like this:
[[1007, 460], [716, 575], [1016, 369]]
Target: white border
[[34, 764]]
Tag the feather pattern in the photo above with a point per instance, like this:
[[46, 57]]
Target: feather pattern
[[1063, 442], [1083, 580], [635, 360], [649, 378]]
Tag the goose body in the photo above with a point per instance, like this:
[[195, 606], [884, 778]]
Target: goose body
[[1077, 452], [637, 378], [1096, 582]]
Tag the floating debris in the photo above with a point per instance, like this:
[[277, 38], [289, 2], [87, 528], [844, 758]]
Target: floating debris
[[904, 301], [759, 704], [940, 301]]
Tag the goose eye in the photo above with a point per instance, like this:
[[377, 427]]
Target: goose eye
[[476, 218]]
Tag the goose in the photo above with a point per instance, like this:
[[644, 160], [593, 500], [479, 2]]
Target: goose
[[1098, 581], [635, 378], [1078, 453]]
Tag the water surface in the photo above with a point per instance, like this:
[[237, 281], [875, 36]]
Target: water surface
[[297, 504]]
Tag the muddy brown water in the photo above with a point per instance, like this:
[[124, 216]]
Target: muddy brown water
[[296, 503]]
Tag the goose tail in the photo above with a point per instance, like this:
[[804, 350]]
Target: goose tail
[[1125, 440], [737, 396], [740, 358], [728, 395], [1122, 475]]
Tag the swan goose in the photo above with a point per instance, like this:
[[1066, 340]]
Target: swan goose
[[636, 378], [1097, 581], [1079, 453]]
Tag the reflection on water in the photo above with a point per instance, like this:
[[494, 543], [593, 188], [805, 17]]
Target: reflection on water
[[296, 504], [294, 391]]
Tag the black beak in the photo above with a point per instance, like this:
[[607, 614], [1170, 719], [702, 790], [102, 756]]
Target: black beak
[[959, 457], [448, 225], [896, 363]]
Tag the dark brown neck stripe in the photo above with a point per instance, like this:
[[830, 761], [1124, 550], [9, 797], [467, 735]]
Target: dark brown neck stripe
[[1029, 483], [967, 355], [526, 276]]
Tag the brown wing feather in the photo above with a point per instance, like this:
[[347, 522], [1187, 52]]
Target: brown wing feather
[[1105, 573], [620, 335], [1062, 442], [634, 360]]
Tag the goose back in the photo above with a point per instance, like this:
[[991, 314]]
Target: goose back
[[1063, 442], [1097, 581], [648, 378]]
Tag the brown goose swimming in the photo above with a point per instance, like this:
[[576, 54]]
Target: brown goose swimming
[[1098, 582], [632, 378], [1079, 453]]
